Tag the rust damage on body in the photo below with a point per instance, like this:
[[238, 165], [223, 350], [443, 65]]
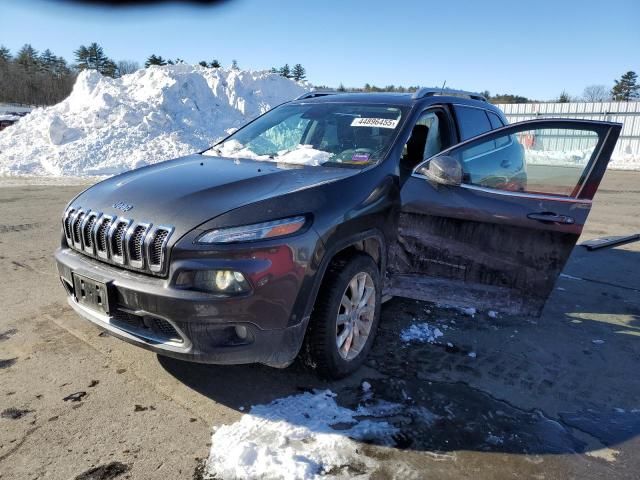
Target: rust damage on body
[[476, 263]]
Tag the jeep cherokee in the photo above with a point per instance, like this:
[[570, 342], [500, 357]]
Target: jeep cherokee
[[287, 235]]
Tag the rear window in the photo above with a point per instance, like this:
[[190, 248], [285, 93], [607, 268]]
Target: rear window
[[471, 121]]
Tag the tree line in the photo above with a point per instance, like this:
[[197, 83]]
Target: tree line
[[625, 89], [43, 78], [34, 78]]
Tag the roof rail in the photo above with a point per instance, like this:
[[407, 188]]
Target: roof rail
[[316, 93], [431, 92]]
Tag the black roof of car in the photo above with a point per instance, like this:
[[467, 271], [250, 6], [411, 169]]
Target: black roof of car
[[422, 97]]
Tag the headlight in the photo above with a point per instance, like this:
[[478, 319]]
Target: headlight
[[257, 231], [213, 281]]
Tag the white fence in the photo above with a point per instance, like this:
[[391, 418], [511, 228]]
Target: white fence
[[627, 153]]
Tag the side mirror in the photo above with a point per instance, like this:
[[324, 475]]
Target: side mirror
[[442, 170]]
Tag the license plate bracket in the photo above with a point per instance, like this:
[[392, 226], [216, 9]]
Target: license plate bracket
[[91, 293]]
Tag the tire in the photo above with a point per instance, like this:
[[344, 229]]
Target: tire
[[333, 299]]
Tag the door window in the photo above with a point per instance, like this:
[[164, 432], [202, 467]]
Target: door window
[[429, 136], [471, 121], [495, 120], [544, 161]]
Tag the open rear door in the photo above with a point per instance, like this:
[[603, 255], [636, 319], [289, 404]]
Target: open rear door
[[490, 222]]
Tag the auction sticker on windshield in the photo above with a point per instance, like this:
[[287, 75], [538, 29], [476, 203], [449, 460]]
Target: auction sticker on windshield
[[375, 122]]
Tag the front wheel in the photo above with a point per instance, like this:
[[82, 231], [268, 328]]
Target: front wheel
[[345, 318]]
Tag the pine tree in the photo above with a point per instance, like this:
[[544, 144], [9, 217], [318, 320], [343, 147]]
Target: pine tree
[[81, 54], [215, 64], [5, 54], [298, 72], [564, 97], [94, 58], [341, 88], [273, 70], [202, 63], [285, 71], [27, 57], [626, 88], [48, 61], [155, 60], [234, 65]]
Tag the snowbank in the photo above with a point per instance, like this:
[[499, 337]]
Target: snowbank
[[107, 126], [293, 438]]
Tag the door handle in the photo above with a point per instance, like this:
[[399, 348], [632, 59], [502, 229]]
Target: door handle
[[505, 163], [550, 217]]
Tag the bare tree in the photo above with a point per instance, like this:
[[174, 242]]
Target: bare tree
[[127, 66], [596, 93]]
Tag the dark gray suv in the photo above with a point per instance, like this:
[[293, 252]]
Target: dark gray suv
[[286, 236]]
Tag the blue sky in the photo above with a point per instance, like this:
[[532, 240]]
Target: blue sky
[[535, 48]]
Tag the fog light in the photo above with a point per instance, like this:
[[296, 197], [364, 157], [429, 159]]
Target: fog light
[[241, 332], [214, 281]]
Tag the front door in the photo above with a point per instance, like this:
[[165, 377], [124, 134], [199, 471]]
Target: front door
[[497, 235]]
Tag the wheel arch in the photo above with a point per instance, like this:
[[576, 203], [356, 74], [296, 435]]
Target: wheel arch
[[371, 242]]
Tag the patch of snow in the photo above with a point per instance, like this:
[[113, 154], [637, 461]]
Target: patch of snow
[[472, 354], [494, 440], [300, 155], [107, 126], [420, 333], [597, 342], [366, 386], [492, 314], [293, 438], [469, 311]]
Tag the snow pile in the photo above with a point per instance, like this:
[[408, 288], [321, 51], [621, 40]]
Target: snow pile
[[107, 126], [420, 333], [293, 438]]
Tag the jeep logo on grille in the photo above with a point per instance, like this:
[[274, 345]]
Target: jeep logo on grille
[[125, 207]]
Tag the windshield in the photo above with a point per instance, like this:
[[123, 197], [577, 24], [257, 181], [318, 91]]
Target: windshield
[[315, 134]]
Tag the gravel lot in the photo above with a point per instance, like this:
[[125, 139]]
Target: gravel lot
[[554, 397]]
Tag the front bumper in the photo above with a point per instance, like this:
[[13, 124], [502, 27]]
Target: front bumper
[[152, 313]]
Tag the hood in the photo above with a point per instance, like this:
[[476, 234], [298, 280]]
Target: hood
[[188, 191]]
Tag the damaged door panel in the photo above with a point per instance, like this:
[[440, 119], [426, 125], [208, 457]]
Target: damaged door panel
[[492, 221]]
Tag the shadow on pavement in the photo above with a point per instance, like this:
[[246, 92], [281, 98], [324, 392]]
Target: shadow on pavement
[[553, 385]]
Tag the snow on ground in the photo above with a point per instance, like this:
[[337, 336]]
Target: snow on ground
[[107, 126], [420, 333], [293, 438]]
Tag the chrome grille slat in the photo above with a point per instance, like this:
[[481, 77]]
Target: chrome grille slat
[[112, 239], [155, 252], [76, 230], [87, 231], [101, 237]]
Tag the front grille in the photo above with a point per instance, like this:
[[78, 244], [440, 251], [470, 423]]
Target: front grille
[[135, 245]]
